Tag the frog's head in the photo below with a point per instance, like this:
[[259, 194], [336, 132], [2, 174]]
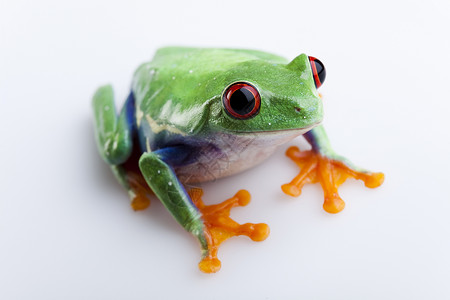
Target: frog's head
[[263, 96]]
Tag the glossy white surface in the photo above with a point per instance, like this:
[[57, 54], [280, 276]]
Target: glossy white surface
[[67, 232]]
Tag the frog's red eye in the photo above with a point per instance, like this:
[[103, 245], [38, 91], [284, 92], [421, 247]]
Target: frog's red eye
[[318, 70], [241, 100]]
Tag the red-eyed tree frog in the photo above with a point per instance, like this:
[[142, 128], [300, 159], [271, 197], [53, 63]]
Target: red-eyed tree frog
[[196, 115]]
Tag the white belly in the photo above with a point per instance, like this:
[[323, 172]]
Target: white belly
[[231, 153]]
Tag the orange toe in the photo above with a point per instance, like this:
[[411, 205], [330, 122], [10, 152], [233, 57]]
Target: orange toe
[[140, 202], [374, 180], [140, 189], [333, 204], [209, 265]]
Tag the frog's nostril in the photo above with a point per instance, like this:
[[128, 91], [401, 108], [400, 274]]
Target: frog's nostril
[[298, 109]]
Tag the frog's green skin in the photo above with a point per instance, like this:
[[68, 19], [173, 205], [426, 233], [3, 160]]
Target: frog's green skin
[[175, 109], [179, 101]]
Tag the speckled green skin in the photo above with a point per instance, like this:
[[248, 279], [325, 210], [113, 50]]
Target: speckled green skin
[[176, 112]]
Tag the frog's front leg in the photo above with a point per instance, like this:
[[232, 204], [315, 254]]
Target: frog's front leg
[[211, 225], [321, 164]]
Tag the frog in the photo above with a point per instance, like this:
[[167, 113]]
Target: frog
[[200, 114]]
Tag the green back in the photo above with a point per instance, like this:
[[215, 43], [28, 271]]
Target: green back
[[182, 88]]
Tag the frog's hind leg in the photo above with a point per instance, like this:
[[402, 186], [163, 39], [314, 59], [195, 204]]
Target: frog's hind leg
[[323, 165], [114, 135]]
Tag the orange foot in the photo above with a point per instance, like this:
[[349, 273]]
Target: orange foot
[[331, 173], [220, 227]]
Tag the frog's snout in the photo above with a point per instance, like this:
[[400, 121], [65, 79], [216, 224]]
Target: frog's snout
[[307, 112]]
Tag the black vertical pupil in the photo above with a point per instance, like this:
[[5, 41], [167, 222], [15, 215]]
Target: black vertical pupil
[[242, 101]]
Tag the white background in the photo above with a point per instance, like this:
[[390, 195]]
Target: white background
[[67, 231]]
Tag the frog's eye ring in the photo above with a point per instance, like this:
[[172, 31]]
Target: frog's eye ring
[[318, 70], [241, 100]]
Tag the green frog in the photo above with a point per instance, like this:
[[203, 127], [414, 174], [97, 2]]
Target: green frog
[[196, 115]]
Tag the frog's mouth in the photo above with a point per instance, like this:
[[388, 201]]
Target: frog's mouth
[[281, 131]]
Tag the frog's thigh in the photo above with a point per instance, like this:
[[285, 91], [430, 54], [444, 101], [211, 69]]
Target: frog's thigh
[[160, 176], [114, 140], [113, 132]]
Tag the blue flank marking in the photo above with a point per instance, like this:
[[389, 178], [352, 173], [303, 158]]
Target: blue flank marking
[[174, 156], [130, 109]]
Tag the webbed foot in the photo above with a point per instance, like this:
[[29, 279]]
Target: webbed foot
[[330, 172], [220, 227]]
